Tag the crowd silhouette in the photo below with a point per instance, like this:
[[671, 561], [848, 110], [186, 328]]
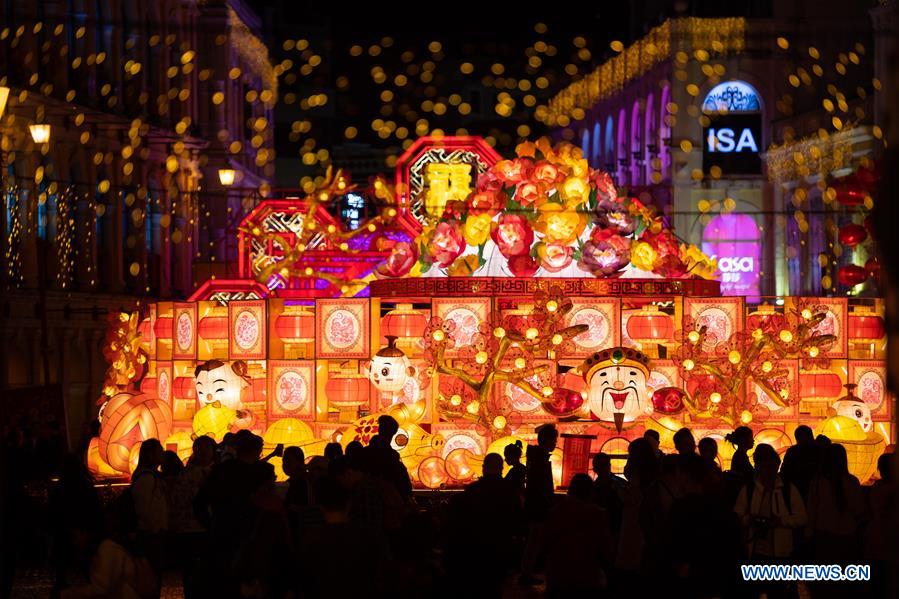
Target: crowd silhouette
[[347, 524]]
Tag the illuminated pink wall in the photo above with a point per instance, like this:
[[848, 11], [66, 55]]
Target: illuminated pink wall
[[734, 240]]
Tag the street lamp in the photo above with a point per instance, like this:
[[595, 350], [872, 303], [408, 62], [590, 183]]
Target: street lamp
[[40, 133], [226, 176]]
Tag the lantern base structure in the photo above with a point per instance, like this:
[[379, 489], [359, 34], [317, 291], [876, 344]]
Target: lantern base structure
[[312, 374]]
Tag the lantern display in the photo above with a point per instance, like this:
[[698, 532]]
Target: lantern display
[[460, 464], [668, 400], [851, 235], [347, 389], [164, 328], [650, 325], [819, 384], [576, 456], [616, 382], [766, 318], [866, 328], [182, 443], [564, 402], [432, 472], [127, 419], [852, 407], [849, 193], [390, 368], [185, 388], [862, 449], [213, 420], [287, 432], [850, 275], [403, 322], [213, 328], [95, 463], [295, 325]]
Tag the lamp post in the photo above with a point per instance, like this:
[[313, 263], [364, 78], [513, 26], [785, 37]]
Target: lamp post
[[226, 176], [40, 134]]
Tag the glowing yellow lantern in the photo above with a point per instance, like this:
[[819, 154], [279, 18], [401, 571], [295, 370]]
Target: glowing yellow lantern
[[287, 432], [862, 449], [460, 464], [181, 443], [432, 472], [213, 421]]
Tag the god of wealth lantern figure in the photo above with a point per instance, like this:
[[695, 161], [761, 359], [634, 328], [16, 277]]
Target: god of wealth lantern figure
[[393, 375], [225, 385], [616, 385]]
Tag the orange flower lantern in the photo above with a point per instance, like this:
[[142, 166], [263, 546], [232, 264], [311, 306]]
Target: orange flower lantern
[[650, 325], [295, 325], [403, 322], [820, 384], [347, 389]]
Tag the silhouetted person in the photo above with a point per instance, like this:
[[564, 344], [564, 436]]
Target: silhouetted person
[[294, 466], [801, 460], [333, 450], [190, 544], [517, 472], [770, 511], [607, 488], [654, 439], [339, 558], [487, 505], [538, 496], [354, 450], [150, 504], [684, 442], [578, 544], [384, 461], [742, 440], [641, 472], [836, 507], [708, 449], [878, 541], [367, 493], [714, 481], [73, 504]]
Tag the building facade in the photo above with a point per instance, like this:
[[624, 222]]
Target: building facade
[[687, 116], [146, 102]]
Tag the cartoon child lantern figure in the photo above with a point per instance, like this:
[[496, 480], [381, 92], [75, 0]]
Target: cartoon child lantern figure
[[225, 385], [852, 407], [391, 373], [616, 385]]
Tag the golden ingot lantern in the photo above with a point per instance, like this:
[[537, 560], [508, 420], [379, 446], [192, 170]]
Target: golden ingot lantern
[[616, 385], [287, 432], [214, 421], [432, 472], [862, 449]]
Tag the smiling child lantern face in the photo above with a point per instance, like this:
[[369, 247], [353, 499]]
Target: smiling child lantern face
[[222, 382], [390, 368], [616, 383]]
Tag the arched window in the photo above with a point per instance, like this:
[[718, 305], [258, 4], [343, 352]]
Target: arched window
[[636, 149], [596, 156], [734, 239], [609, 146], [585, 144], [651, 138], [664, 130], [621, 151], [732, 96]]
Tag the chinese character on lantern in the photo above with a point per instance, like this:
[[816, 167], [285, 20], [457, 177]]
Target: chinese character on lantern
[[445, 182]]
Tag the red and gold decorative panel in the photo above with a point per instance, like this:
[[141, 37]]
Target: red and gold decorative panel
[[165, 382], [467, 314], [664, 373], [602, 316], [342, 328], [150, 332], [248, 326], [834, 323], [870, 378], [460, 436], [291, 389], [184, 331], [722, 316], [528, 407], [792, 390]]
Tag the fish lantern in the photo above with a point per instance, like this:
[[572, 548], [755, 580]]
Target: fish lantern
[[616, 385], [390, 369], [225, 384], [852, 407]]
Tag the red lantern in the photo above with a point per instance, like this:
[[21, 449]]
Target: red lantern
[[347, 389], [163, 328], [184, 388], [213, 327], [564, 402], [765, 317], [872, 267], [575, 456], [820, 384], [668, 400], [851, 235], [404, 323], [850, 193], [650, 326], [851, 275], [295, 326], [864, 325]]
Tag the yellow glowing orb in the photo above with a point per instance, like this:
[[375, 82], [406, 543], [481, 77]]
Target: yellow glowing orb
[[688, 364], [786, 336]]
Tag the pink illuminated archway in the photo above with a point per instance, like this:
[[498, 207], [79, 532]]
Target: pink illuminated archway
[[664, 131], [636, 150], [734, 240]]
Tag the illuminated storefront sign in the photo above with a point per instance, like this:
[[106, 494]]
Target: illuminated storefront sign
[[733, 136], [734, 240]]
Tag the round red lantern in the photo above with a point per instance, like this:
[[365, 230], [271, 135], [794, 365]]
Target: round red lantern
[[184, 388], [865, 325], [820, 384], [164, 328], [295, 325], [849, 192], [213, 327], [851, 275], [347, 389], [404, 322], [852, 234], [765, 317], [650, 325], [668, 400]]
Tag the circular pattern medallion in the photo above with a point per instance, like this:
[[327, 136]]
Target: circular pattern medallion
[[163, 388], [466, 325], [246, 330], [291, 391], [718, 326], [460, 441], [597, 333], [342, 329], [521, 400], [185, 333], [870, 389]]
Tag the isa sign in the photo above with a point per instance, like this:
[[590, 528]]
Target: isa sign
[[732, 142]]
